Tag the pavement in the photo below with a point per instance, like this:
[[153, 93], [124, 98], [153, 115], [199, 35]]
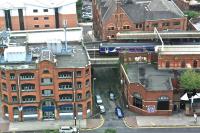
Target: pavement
[[89, 124], [173, 121]]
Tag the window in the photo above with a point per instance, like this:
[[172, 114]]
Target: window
[[35, 18], [89, 105], [12, 76], [47, 92], [3, 75], [195, 64], [4, 87], [65, 85], [46, 18], [65, 74], [165, 24], [29, 98], [137, 100], [87, 72], [64, 108], [26, 76], [79, 85], [14, 87], [87, 83], [111, 28], [126, 27], [5, 98], [28, 87], [112, 36], [78, 74], [45, 10], [36, 26], [14, 98], [46, 81], [163, 103], [80, 107], [138, 26], [45, 71], [176, 23], [155, 25], [79, 96], [167, 65], [88, 94], [46, 25], [183, 64], [66, 97], [35, 10]]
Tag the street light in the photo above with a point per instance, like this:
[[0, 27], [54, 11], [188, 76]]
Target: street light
[[93, 84]]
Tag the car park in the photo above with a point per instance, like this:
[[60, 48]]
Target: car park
[[102, 109], [98, 99], [119, 112], [68, 129]]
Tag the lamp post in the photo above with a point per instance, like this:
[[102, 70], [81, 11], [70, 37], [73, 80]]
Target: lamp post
[[93, 84]]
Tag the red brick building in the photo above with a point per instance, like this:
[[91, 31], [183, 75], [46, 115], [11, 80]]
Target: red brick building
[[110, 17], [48, 86], [33, 14], [178, 57], [147, 90]]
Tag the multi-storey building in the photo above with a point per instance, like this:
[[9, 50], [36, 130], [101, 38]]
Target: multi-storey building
[[153, 89], [113, 16], [45, 81], [35, 14]]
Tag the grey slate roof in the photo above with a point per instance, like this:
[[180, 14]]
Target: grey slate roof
[[142, 10]]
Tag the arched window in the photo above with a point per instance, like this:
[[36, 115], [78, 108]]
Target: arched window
[[167, 65], [163, 103], [195, 63], [137, 100], [183, 64]]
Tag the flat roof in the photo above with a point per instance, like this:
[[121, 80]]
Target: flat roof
[[78, 58], [151, 78], [178, 49], [46, 35]]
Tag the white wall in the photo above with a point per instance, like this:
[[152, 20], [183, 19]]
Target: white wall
[[29, 11], [2, 13], [14, 12], [68, 9]]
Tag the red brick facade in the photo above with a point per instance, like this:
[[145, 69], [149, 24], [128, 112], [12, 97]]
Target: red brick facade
[[178, 61], [41, 22], [120, 21], [45, 69]]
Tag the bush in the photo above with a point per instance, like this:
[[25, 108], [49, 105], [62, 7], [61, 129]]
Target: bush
[[110, 131]]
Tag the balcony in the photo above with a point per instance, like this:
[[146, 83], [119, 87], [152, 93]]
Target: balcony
[[66, 99]]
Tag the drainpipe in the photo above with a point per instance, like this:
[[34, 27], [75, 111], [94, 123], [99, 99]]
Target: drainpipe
[[20, 108], [74, 92]]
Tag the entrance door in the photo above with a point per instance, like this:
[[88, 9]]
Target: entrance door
[[48, 115]]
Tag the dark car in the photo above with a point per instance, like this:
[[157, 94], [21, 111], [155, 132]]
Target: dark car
[[119, 112]]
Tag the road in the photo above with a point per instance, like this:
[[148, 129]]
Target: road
[[149, 130]]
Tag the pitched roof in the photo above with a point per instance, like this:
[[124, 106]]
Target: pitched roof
[[141, 10]]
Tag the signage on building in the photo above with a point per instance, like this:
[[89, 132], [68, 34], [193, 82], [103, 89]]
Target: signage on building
[[151, 108], [140, 58]]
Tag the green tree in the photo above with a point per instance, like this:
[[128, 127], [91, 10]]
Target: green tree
[[110, 131], [190, 80], [192, 14]]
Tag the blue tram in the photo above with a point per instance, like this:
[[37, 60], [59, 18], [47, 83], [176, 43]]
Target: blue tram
[[114, 48]]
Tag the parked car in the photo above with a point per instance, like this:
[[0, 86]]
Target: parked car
[[68, 129], [98, 99], [119, 112], [111, 96], [102, 109]]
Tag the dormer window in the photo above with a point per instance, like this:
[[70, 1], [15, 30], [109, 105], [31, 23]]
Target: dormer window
[[111, 28]]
